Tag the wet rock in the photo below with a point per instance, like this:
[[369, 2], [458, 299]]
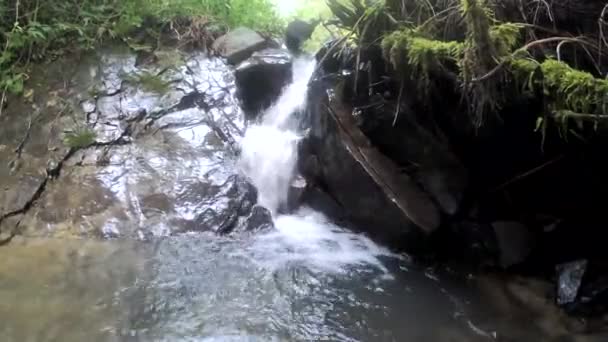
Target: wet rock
[[260, 218], [319, 200], [570, 277], [331, 60], [261, 78], [375, 195], [238, 44], [472, 241], [231, 206], [295, 194], [515, 242], [299, 31], [422, 153]]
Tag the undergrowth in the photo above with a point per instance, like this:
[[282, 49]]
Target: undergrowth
[[36, 30], [493, 58]]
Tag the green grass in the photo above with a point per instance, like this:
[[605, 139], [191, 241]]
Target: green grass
[[80, 138], [35, 30]]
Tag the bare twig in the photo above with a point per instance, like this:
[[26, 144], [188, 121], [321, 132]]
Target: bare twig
[[399, 102], [528, 173], [2, 99], [525, 48]]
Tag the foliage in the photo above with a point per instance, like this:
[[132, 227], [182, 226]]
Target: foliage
[[480, 55], [573, 94], [314, 10], [505, 37], [421, 39], [32, 30], [408, 51]]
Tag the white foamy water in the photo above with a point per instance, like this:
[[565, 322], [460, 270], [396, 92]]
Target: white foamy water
[[269, 150], [269, 157], [308, 238]]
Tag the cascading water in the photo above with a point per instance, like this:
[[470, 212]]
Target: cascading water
[[269, 149], [305, 280], [268, 156]]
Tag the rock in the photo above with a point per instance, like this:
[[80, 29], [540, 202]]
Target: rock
[[261, 78], [332, 61], [514, 242], [260, 218], [375, 195], [472, 241], [295, 194], [238, 199], [299, 31], [569, 280], [425, 155], [319, 200], [239, 44]]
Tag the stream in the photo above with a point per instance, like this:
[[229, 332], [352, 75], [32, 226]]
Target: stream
[[124, 244]]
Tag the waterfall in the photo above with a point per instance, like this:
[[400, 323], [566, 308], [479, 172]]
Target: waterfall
[[269, 150]]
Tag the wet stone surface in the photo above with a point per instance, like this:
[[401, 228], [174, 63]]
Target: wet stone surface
[[160, 160]]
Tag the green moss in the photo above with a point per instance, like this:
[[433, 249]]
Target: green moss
[[567, 88], [573, 89], [149, 82], [169, 58], [79, 139], [505, 37], [407, 50]]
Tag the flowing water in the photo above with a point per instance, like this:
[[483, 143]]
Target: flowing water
[[304, 280]]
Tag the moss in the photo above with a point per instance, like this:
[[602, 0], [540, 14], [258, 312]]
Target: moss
[[79, 139], [169, 58], [505, 37], [574, 89], [407, 50], [567, 88], [149, 82], [479, 58]]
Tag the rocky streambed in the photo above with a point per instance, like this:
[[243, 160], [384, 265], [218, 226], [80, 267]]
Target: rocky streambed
[[132, 209]]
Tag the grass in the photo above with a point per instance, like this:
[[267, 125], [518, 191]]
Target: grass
[[36, 30], [80, 138]]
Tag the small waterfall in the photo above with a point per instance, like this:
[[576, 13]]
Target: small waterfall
[[269, 155], [269, 149]]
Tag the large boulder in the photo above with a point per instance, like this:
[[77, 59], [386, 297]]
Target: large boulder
[[261, 78], [239, 44], [298, 31], [372, 192], [416, 146]]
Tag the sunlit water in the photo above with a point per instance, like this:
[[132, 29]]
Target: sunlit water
[[305, 280]]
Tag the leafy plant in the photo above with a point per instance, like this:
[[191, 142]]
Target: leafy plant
[[34, 30]]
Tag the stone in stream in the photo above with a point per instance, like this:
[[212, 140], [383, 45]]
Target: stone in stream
[[235, 209], [569, 280], [299, 31], [261, 78], [239, 44], [260, 218]]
